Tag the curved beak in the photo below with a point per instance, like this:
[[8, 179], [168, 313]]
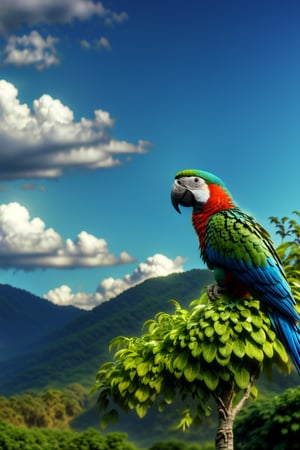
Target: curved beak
[[180, 195], [175, 199]]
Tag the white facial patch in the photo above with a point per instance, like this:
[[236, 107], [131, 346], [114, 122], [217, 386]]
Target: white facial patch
[[198, 187]]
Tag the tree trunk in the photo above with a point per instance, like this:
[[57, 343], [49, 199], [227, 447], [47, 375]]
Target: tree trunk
[[224, 436], [227, 413]]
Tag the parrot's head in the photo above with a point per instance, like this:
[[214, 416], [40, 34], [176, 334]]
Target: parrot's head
[[193, 188]]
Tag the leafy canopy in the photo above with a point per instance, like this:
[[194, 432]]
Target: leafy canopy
[[275, 422], [196, 354]]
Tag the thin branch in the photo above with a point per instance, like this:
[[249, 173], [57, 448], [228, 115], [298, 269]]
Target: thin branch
[[245, 397]]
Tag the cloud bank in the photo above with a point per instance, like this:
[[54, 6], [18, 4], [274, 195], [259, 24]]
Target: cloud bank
[[17, 13], [40, 52], [154, 266], [27, 244], [46, 141]]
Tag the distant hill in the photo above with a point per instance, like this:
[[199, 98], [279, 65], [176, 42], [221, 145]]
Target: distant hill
[[26, 318], [74, 352]]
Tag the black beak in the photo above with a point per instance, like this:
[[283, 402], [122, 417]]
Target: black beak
[[180, 195], [175, 199]]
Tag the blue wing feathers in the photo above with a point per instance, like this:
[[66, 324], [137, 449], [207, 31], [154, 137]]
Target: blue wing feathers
[[259, 269], [289, 334]]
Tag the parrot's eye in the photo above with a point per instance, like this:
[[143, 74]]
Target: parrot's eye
[[196, 180]]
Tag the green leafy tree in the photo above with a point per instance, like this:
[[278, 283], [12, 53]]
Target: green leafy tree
[[51, 408], [20, 438], [274, 422], [209, 355]]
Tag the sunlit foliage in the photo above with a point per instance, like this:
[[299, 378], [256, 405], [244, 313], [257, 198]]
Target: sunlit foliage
[[201, 353]]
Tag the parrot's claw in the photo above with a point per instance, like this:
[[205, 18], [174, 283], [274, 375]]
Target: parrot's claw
[[214, 291]]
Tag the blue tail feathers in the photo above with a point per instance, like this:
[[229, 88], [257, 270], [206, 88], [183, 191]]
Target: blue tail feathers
[[289, 333]]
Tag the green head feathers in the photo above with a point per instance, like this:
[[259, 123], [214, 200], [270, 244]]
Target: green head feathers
[[207, 176]]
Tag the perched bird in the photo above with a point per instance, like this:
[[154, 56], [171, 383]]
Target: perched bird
[[239, 251]]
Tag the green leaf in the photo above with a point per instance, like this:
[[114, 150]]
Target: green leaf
[[242, 378], [239, 348], [156, 384], [123, 386], [142, 369], [225, 337], [141, 410], [268, 349], [220, 328], [210, 380], [279, 349], [253, 392], [222, 361], [259, 336], [209, 331], [247, 326], [251, 349], [203, 323], [209, 351], [197, 350], [246, 313], [257, 321], [181, 360], [238, 328], [225, 315], [225, 350], [191, 372], [142, 394]]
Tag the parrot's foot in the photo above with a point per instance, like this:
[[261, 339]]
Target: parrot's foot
[[214, 291]]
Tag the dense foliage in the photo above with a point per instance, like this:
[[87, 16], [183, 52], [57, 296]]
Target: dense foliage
[[214, 350], [20, 438], [192, 353], [289, 250], [52, 408], [275, 422]]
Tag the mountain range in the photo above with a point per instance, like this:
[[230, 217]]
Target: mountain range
[[43, 345], [58, 345], [26, 318]]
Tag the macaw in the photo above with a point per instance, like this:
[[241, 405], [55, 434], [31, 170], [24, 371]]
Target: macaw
[[239, 251]]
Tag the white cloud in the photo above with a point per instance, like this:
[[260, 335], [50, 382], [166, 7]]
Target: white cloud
[[31, 49], [46, 141], [14, 14], [154, 266], [103, 43], [64, 296], [97, 44], [27, 244]]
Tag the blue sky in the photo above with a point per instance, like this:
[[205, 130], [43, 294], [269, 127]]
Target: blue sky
[[101, 103]]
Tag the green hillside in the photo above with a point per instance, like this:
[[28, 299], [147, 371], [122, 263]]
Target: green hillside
[[74, 353], [26, 318]]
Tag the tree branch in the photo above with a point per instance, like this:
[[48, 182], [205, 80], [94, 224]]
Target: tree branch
[[245, 397]]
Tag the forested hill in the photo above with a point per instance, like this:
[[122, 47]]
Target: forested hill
[[26, 318], [74, 353]]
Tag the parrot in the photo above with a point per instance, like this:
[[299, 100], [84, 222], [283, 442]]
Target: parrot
[[239, 251]]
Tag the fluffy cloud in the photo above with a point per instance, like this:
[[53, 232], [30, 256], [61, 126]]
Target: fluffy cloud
[[31, 49], [14, 14], [46, 141], [27, 244], [154, 266]]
